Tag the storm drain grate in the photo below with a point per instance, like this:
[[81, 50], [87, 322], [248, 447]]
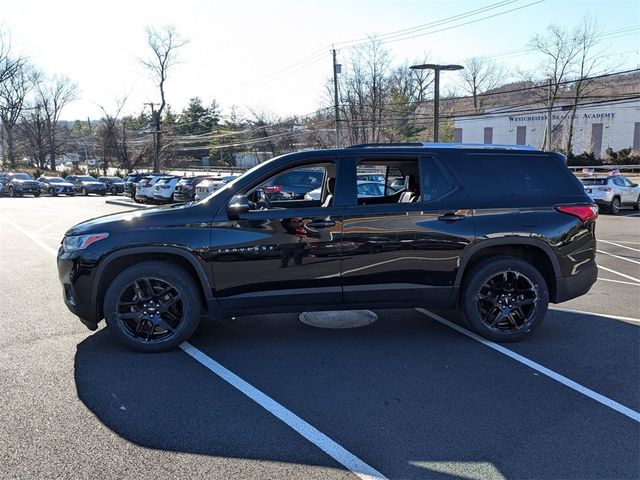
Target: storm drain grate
[[339, 318]]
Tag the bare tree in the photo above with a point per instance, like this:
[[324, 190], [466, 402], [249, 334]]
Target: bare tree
[[53, 95], [34, 133], [480, 75], [559, 50], [164, 44], [13, 92], [587, 62], [9, 64], [113, 139]]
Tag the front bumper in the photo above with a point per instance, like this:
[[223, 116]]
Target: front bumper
[[576, 285], [76, 276]]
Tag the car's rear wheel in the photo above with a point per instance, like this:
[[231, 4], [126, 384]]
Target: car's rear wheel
[[636, 206], [37, 194], [84, 191], [152, 307], [52, 192], [505, 299], [615, 206], [12, 192]]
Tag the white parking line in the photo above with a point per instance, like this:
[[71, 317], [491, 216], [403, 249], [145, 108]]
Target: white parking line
[[618, 257], [635, 321], [611, 270], [623, 241], [35, 240], [618, 281], [330, 447], [618, 245], [618, 407]]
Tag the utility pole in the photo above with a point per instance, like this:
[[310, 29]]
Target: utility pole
[[549, 120], [156, 143], [336, 70]]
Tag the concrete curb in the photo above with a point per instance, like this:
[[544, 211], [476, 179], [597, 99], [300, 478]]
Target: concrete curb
[[124, 203]]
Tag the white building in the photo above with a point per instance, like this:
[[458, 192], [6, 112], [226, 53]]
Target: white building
[[596, 127]]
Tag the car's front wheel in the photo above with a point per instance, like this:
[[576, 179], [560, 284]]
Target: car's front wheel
[[84, 191], [636, 206], [505, 299], [152, 307], [52, 192]]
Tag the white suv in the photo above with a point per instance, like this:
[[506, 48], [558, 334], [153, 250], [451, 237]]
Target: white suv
[[211, 184], [164, 188], [612, 192], [144, 189]]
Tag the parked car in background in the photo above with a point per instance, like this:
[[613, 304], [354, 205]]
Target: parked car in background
[[612, 192], [164, 188], [115, 185], [186, 188], [144, 189], [365, 189], [55, 186], [294, 185], [19, 184], [131, 182], [86, 184], [211, 184]]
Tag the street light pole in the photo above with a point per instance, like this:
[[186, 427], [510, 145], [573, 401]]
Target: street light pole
[[436, 96]]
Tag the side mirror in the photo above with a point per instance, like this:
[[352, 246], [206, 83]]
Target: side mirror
[[238, 205]]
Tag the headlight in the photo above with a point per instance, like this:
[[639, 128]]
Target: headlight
[[80, 242]]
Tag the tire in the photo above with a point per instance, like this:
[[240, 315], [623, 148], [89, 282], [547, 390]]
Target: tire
[[139, 332], [636, 206], [12, 192], [614, 208], [491, 279], [52, 192], [102, 194], [84, 192], [37, 194]]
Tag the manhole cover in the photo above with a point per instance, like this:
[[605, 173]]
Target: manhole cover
[[339, 318]]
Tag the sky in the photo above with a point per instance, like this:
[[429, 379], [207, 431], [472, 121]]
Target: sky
[[274, 56]]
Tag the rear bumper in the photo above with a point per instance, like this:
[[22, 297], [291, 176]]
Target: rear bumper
[[576, 285]]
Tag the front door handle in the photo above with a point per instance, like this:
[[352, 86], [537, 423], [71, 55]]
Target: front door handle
[[321, 224], [451, 217]]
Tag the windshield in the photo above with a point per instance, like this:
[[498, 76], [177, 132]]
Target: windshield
[[56, 180], [22, 176], [87, 179], [115, 179]]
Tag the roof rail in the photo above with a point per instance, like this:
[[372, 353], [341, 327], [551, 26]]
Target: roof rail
[[492, 146], [383, 145]]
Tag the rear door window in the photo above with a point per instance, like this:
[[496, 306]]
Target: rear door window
[[509, 175]]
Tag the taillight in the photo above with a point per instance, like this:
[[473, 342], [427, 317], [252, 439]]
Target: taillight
[[586, 213], [604, 189], [273, 189]]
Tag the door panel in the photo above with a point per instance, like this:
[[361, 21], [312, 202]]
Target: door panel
[[282, 256], [407, 256]]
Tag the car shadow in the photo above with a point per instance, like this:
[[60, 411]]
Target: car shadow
[[407, 395]]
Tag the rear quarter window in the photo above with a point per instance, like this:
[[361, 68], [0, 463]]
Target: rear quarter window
[[498, 175]]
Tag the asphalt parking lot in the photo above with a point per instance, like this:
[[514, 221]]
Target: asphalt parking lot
[[410, 396]]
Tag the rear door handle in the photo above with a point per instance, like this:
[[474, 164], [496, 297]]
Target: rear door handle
[[451, 217], [322, 224]]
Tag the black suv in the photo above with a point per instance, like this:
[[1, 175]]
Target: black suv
[[496, 231]]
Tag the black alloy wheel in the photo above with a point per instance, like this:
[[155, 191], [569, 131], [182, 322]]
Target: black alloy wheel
[[152, 307], [507, 301], [505, 298], [615, 206]]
